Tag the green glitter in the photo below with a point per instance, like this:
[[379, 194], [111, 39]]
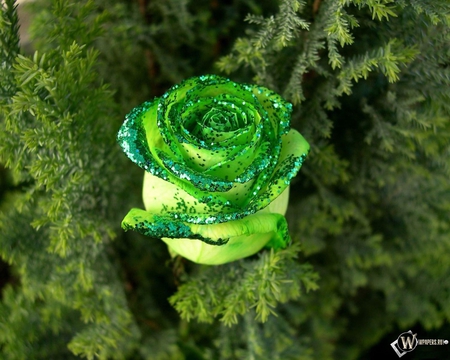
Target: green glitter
[[159, 226], [228, 145]]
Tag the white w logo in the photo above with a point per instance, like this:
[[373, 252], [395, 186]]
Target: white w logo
[[405, 343], [408, 343]]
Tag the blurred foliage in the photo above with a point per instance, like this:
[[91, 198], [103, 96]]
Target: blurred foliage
[[369, 212]]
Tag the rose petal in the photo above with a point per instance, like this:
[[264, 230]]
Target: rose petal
[[163, 197], [216, 243], [293, 152], [256, 176]]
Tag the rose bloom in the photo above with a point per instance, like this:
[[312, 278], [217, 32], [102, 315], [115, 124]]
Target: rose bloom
[[218, 159]]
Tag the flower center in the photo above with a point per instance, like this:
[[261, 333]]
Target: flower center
[[222, 120]]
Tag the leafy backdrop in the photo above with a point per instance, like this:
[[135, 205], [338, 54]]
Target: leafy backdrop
[[369, 211]]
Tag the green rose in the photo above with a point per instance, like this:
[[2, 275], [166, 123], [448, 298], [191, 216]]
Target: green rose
[[218, 159]]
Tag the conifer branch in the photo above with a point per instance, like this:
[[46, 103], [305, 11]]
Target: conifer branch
[[9, 40], [371, 84], [260, 284]]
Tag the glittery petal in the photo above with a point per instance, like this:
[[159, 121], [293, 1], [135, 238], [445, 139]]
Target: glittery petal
[[161, 197], [278, 109], [213, 244], [293, 152], [279, 205], [133, 141], [152, 133], [244, 174]]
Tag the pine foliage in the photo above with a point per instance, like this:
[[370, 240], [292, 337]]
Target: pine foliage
[[55, 111], [369, 212], [261, 284]]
